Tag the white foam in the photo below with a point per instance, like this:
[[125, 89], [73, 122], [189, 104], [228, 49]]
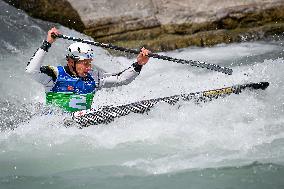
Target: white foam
[[169, 138]]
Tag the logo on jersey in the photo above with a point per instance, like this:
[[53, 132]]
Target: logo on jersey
[[70, 88]]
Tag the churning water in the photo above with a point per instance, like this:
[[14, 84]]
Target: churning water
[[235, 142]]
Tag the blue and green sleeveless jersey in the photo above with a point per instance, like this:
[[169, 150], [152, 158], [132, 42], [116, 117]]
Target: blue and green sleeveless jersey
[[72, 93]]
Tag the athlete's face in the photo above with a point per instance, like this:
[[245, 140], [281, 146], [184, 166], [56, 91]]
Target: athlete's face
[[83, 67]]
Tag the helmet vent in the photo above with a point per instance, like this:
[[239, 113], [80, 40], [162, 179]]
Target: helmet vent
[[80, 50]]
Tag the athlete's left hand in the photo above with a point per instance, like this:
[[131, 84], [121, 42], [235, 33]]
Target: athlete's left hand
[[142, 58]]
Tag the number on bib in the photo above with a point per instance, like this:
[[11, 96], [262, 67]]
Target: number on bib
[[78, 102]]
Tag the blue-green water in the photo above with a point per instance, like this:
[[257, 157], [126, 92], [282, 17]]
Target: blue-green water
[[236, 142], [253, 176]]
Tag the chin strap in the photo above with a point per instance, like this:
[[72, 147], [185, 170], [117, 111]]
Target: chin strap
[[72, 66], [74, 69]]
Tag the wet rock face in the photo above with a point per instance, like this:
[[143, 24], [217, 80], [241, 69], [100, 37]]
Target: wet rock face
[[58, 11], [164, 24], [131, 14]]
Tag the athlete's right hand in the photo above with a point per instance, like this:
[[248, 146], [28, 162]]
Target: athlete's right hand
[[50, 39]]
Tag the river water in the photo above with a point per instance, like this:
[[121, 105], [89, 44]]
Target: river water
[[236, 142]]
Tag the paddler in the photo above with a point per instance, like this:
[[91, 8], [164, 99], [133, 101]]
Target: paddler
[[72, 87]]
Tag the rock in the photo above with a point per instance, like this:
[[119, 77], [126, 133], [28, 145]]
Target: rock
[[58, 11], [164, 24]]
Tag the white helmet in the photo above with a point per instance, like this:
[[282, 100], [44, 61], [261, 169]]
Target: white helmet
[[80, 51]]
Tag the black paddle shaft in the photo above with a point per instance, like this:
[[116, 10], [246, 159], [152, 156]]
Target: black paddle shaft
[[195, 63]]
